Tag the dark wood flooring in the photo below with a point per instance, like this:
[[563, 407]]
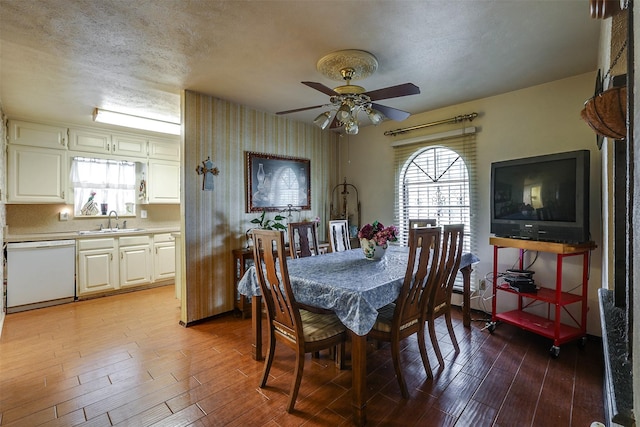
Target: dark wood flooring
[[124, 360]]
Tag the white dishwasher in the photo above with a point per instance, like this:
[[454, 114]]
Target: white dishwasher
[[40, 274]]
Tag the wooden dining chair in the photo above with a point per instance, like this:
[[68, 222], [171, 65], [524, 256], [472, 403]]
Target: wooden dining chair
[[299, 329], [427, 222], [439, 302], [405, 317], [303, 239], [339, 235]]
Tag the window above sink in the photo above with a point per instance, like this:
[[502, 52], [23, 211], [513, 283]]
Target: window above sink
[[101, 186]]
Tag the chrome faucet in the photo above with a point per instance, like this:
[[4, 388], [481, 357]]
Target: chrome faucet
[[109, 222]]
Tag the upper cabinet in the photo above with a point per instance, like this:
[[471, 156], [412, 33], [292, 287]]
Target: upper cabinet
[[164, 149], [40, 155], [164, 181], [36, 175], [129, 145], [104, 142], [37, 135], [36, 163], [89, 140]]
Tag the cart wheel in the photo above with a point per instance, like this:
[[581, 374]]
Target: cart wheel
[[491, 326], [582, 342], [554, 351]]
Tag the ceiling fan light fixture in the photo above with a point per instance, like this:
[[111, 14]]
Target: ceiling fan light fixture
[[351, 127], [344, 113], [323, 120], [375, 116]]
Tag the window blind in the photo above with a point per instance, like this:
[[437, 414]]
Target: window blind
[[436, 178]]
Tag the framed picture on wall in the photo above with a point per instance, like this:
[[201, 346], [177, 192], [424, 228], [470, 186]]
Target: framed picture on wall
[[276, 182]]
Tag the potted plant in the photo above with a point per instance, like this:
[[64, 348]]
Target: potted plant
[[265, 223]]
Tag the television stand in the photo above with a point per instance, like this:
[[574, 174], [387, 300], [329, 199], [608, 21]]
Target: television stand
[[557, 300]]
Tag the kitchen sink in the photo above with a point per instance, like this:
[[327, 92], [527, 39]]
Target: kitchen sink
[[111, 231]]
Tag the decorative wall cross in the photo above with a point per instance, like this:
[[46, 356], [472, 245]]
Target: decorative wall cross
[[208, 170]]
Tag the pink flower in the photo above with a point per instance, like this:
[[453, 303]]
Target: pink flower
[[380, 234]]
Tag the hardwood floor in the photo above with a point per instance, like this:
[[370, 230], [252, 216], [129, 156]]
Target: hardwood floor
[[124, 360]]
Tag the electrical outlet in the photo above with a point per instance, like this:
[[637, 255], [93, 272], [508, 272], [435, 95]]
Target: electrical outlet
[[482, 284], [64, 216], [143, 213]]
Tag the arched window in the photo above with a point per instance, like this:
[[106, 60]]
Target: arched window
[[436, 179], [434, 183]]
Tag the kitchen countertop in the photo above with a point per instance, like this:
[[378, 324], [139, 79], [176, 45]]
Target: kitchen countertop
[[37, 237]]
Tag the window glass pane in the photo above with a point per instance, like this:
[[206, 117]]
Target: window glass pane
[[435, 184], [100, 186]]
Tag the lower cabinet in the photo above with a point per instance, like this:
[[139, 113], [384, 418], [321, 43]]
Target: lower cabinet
[[164, 257], [98, 265], [135, 260], [108, 264]]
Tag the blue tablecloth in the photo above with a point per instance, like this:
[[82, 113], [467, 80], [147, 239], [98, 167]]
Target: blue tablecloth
[[346, 283]]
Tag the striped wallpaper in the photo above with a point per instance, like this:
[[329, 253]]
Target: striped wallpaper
[[214, 222]]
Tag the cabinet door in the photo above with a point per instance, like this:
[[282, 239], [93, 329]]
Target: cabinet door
[[37, 135], [164, 266], [90, 140], [164, 181], [135, 265], [129, 145], [97, 271], [36, 175], [164, 150]]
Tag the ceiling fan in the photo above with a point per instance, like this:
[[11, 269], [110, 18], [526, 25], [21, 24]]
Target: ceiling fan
[[348, 100]]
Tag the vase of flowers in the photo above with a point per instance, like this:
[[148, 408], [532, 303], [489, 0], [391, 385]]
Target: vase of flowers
[[375, 238]]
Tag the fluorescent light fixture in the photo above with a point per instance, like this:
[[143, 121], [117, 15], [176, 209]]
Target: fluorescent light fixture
[[126, 120]]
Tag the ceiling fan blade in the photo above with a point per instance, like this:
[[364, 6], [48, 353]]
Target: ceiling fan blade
[[391, 113], [320, 87], [393, 91], [299, 109]]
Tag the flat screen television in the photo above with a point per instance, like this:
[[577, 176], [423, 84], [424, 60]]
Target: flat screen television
[[542, 198]]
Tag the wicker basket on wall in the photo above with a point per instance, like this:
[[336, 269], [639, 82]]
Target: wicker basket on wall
[[606, 113]]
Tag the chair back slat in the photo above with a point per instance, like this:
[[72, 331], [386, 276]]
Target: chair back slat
[[424, 249], [451, 254], [303, 239], [270, 256], [339, 235], [426, 222]]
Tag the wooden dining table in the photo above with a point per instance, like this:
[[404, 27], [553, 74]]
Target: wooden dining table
[[351, 286]]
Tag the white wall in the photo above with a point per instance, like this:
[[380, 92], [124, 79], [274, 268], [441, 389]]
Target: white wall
[[538, 120]]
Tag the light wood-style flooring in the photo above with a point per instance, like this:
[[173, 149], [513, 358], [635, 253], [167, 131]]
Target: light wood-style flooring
[[124, 360]]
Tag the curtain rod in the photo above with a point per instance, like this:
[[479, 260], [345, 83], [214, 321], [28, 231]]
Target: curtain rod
[[467, 130], [456, 119]]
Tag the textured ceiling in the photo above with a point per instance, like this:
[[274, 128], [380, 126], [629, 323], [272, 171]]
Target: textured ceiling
[[61, 58]]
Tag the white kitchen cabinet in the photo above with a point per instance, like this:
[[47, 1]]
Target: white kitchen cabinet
[[164, 149], [36, 175], [164, 257], [135, 260], [90, 140], [129, 145], [110, 263], [97, 265], [37, 135], [99, 141], [163, 185]]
